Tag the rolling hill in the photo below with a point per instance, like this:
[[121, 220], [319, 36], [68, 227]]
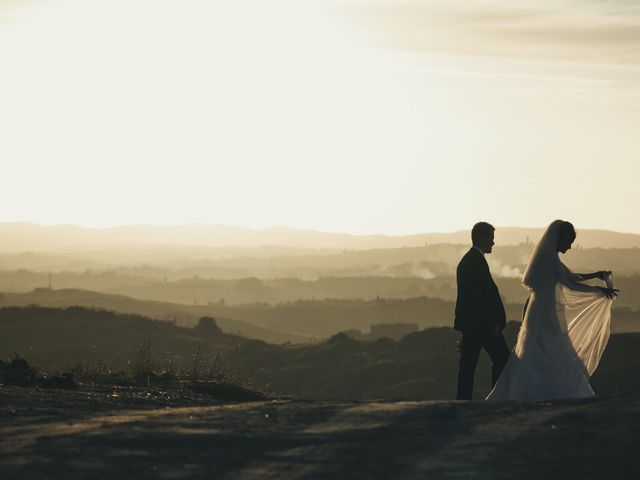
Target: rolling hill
[[420, 366], [175, 313]]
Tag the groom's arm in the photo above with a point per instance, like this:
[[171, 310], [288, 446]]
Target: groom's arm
[[471, 292], [494, 313]]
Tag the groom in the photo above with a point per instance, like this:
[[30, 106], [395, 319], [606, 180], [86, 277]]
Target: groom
[[479, 312]]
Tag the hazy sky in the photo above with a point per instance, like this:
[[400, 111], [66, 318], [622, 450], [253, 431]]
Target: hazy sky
[[359, 116]]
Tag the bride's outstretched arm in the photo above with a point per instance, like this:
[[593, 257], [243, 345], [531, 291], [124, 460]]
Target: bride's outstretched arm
[[574, 281], [589, 276]]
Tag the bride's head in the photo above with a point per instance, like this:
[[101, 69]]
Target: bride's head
[[567, 235], [543, 266]]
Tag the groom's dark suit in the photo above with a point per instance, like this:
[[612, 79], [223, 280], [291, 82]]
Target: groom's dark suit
[[479, 309]]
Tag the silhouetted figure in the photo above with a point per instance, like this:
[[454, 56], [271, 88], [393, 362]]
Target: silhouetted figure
[[480, 314], [565, 328]]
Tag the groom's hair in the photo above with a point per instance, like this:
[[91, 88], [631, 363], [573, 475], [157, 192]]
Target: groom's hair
[[481, 230]]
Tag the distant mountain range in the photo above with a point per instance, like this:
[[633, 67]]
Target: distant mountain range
[[28, 237]]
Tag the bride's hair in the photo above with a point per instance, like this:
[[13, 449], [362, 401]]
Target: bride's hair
[[567, 230]]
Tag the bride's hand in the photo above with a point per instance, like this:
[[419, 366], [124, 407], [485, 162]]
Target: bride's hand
[[610, 293]]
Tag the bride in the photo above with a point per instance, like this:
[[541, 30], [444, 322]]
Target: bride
[[565, 327]]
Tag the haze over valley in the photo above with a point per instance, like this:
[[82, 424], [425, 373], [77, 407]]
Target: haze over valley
[[296, 291]]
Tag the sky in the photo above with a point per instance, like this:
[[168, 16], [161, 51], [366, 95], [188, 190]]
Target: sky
[[376, 116]]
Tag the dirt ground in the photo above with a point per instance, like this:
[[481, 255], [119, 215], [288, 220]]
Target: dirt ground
[[111, 434]]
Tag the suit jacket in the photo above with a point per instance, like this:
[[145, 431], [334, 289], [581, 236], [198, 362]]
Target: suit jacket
[[478, 306]]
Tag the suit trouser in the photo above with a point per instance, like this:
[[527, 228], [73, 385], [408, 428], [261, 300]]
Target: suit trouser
[[470, 348]]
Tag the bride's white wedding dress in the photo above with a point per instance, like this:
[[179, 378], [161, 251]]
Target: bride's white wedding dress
[[563, 334]]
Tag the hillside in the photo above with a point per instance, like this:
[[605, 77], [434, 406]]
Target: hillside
[[420, 366], [185, 315], [64, 337], [293, 322]]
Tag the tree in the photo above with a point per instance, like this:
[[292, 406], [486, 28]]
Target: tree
[[208, 325]]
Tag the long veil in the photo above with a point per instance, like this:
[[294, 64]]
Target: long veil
[[587, 319]]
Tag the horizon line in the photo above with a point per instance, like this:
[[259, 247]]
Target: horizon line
[[275, 227]]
